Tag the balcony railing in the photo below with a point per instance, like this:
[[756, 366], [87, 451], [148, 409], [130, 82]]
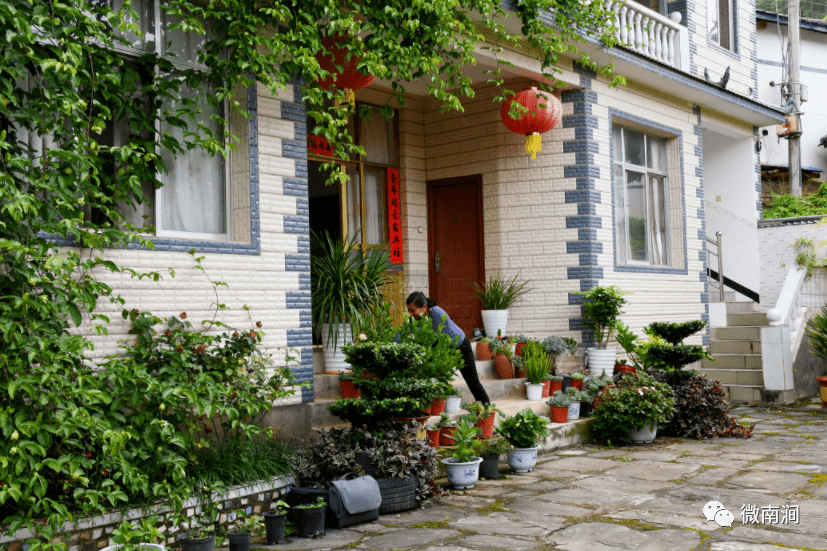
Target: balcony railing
[[651, 34]]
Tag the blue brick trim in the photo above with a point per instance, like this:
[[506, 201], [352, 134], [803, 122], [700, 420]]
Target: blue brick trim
[[581, 145], [586, 209], [587, 234], [299, 337], [301, 132], [576, 324], [293, 149], [298, 94], [297, 263], [699, 192], [571, 121], [578, 96], [585, 182], [577, 247], [584, 272], [582, 108], [586, 284], [295, 186], [303, 206], [582, 197], [304, 282], [305, 318], [301, 167], [581, 171], [584, 71], [615, 115], [298, 299], [293, 112], [584, 133], [297, 224], [584, 222], [303, 244], [588, 259]]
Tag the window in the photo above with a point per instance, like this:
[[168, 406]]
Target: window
[[359, 209], [641, 197], [719, 23], [195, 199]]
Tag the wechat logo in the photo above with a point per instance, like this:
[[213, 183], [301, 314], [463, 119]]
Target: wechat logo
[[715, 510]]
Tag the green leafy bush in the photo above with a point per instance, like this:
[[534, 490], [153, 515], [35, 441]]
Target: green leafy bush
[[790, 206], [603, 306], [638, 400], [500, 293], [674, 333], [523, 429]]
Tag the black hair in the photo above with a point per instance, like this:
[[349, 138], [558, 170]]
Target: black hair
[[418, 299]]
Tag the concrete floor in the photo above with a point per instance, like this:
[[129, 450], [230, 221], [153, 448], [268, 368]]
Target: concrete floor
[[647, 498]]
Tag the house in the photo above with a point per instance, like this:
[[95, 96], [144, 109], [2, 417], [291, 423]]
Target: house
[[624, 192], [773, 40]]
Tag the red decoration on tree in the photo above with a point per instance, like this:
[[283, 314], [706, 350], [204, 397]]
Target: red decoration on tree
[[349, 79], [542, 112]]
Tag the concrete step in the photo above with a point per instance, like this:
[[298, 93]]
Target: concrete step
[[715, 294], [735, 334], [742, 307], [750, 377], [733, 361], [744, 393], [735, 347], [751, 319]]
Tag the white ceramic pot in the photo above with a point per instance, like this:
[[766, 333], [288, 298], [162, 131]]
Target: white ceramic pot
[[534, 392], [601, 361], [523, 460], [574, 411], [462, 475], [643, 436], [494, 320], [452, 404], [334, 359]]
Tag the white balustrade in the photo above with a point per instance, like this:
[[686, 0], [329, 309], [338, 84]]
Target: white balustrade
[[649, 33]]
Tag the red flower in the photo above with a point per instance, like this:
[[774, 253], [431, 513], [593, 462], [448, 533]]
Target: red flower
[[235, 334], [252, 335], [183, 315], [88, 455], [179, 348], [258, 324]]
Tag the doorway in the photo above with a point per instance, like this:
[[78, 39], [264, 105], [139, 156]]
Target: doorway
[[456, 248]]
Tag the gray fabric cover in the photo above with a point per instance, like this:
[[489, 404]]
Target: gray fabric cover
[[358, 495]]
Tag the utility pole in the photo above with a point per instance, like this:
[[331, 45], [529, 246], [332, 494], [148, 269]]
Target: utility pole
[[794, 73]]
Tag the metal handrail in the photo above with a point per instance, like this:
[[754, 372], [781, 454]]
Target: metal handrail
[[718, 253]]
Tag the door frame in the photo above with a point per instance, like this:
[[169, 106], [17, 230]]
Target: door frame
[[431, 185]]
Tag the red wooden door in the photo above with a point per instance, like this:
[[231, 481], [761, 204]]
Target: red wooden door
[[455, 248]]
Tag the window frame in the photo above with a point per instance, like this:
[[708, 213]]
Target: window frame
[[731, 23], [359, 165], [158, 47], [646, 171]]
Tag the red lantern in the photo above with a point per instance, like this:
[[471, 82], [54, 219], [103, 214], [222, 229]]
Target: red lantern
[[349, 79], [535, 120]]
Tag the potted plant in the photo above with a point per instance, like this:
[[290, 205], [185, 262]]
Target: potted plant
[[497, 296], [275, 523], [554, 346], [485, 417], [309, 518], [519, 366], [535, 359], [484, 350], [555, 384], [201, 535], [502, 359], [559, 404], [817, 333], [432, 432], [345, 287], [522, 430], [490, 450], [547, 384], [602, 308], [245, 525], [463, 467], [349, 390], [634, 410], [574, 408], [438, 406], [586, 399], [453, 401], [577, 380], [138, 536], [447, 429], [520, 341]]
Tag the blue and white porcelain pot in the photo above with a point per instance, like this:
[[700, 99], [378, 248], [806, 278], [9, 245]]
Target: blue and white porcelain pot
[[523, 460], [462, 475]]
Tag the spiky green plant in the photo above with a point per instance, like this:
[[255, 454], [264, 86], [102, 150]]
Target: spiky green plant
[[500, 293]]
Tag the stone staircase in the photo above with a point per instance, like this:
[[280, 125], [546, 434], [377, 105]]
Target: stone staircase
[[737, 352], [508, 394]]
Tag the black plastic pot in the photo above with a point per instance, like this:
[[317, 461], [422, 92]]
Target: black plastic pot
[[566, 382], [310, 522], [239, 542], [310, 493], [490, 467], [398, 494], [274, 524], [585, 409], [201, 544]]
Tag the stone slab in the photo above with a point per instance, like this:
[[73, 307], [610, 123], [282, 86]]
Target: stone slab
[[777, 483], [578, 464], [758, 535], [497, 542], [548, 508], [330, 539], [406, 539], [484, 525], [601, 536], [654, 470]]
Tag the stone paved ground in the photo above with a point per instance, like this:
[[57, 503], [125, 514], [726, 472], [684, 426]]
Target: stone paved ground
[[646, 498]]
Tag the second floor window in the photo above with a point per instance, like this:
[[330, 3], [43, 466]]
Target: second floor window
[[720, 23]]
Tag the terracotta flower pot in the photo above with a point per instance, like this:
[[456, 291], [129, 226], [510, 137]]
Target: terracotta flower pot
[[483, 351], [503, 366], [822, 387], [438, 406], [518, 348], [433, 437], [487, 426], [554, 386], [577, 383], [444, 435], [560, 414], [623, 368], [349, 390], [519, 373], [546, 388]]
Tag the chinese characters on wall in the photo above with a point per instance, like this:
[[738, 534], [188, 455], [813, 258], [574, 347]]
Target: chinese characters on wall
[[394, 217]]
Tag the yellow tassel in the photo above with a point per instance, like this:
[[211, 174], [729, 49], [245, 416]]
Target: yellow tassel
[[533, 144], [350, 96]]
